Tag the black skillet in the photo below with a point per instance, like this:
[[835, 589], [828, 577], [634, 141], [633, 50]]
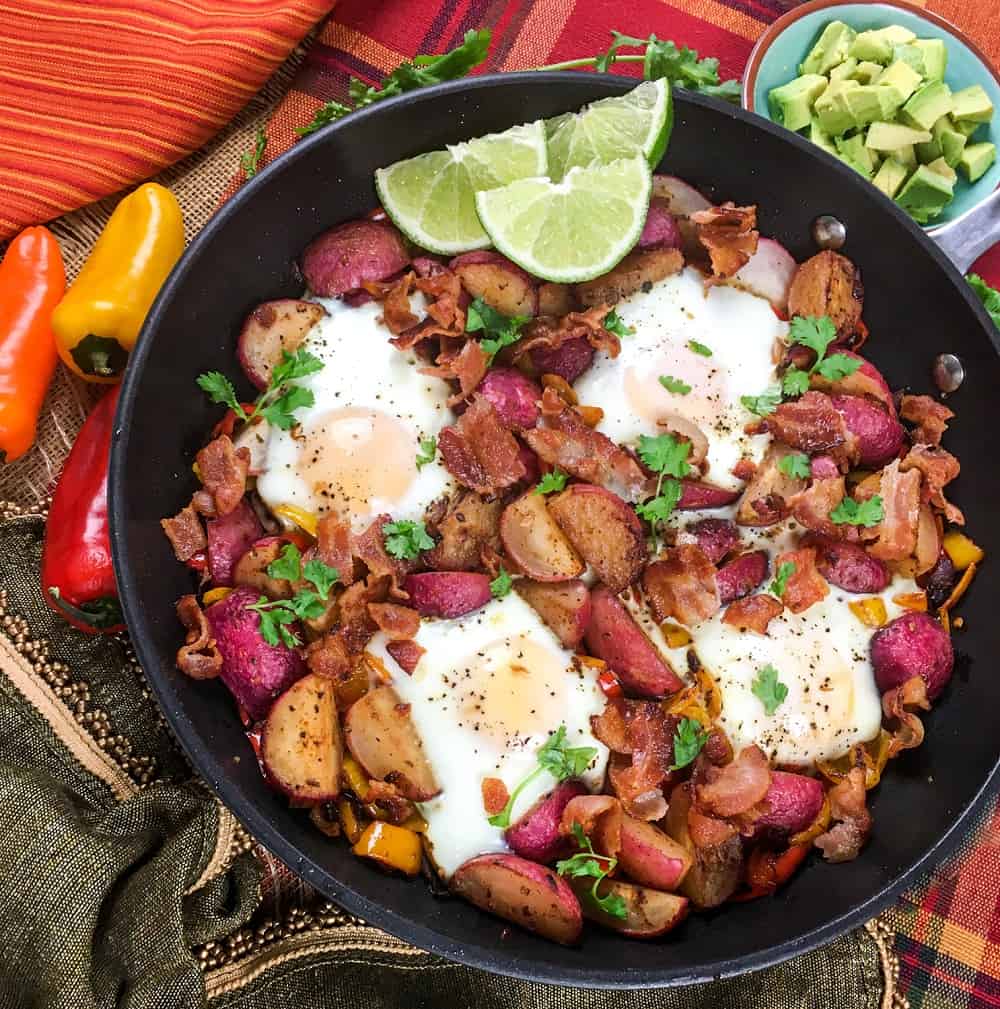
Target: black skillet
[[917, 306]]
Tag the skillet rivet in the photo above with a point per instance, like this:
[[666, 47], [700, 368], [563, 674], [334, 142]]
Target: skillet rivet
[[828, 232], [948, 372]]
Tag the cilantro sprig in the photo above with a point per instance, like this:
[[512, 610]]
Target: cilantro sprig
[[405, 539], [587, 863], [554, 756], [780, 582], [250, 161], [614, 323], [282, 397], [308, 602], [769, 690], [427, 453], [689, 737], [551, 482], [674, 385], [667, 458], [502, 584], [498, 330], [858, 513], [795, 465], [816, 333], [767, 402]]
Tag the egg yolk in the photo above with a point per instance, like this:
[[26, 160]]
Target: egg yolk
[[356, 460], [651, 401]]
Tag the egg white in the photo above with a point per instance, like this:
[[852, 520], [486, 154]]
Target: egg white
[[488, 692], [355, 449], [741, 330]]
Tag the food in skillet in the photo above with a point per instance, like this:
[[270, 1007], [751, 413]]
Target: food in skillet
[[596, 600]]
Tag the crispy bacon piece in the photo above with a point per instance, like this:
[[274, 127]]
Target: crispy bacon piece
[[467, 367], [397, 621], [334, 546], [708, 831], [809, 423], [329, 656], [369, 548], [356, 623], [681, 586], [186, 533], [197, 657], [466, 524], [495, 796], [737, 787], [898, 706], [805, 585], [812, 507], [445, 314], [848, 808], [396, 313], [728, 234], [387, 796], [765, 499], [752, 613], [930, 416], [549, 333], [600, 818], [406, 653], [828, 284], [897, 532], [939, 467], [744, 469], [567, 442], [223, 470], [479, 452]]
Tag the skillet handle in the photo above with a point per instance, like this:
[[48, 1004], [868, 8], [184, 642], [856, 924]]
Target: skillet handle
[[966, 238]]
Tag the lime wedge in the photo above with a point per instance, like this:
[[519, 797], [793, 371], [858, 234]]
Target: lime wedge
[[431, 198], [613, 128], [571, 230]]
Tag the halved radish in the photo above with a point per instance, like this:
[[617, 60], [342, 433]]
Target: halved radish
[[768, 273], [681, 199], [272, 328]]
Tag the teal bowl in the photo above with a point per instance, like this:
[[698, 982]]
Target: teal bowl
[[776, 57]]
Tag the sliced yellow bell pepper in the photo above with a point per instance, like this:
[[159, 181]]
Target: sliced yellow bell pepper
[[391, 846], [98, 320], [961, 549], [871, 612], [305, 520]]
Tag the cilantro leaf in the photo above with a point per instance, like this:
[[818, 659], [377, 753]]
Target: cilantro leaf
[[281, 410], [321, 575], [250, 162], [665, 454], [406, 539], [837, 366], [989, 296], [661, 507], [795, 382], [699, 348], [770, 691], [220, 390], [554, 480], [328, 112], [498, 330], [764, 404], [428, 450], [293, 367], [675, 385], [586, 863], [274, 616], [795, 465], [814, 332], [689, 738], [859, 513], [613, 324], [780, 583], [502, 584], [288, 564]]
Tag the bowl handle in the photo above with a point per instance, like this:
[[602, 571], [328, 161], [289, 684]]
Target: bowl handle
[[966, 238]]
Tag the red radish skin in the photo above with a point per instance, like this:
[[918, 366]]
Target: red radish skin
[[536, 834], [714, 537], [514, 396], [914, 644], [879, 435], [741, 575], [697, 495], [229, 538], [569, 360], [650, 857], [342, 259], [660, 230], [794, 800], [848, 566], [447, 594]]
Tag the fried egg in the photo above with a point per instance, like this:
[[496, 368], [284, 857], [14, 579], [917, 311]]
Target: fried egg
[[487, 693], [740, 329], [355, 449]]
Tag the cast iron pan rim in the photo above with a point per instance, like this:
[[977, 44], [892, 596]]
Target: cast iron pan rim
[[216, 774]]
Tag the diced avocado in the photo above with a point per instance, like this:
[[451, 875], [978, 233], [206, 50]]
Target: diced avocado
[[905, 155], [890, 177], [927, 152], [889, 136], [791, 104], [845, 70], [891, 100], [829, 49], [976, 159], [924, 194], [832, 110], [972, 105], [928, 105], [942, 167], [935, 57], [911, 56], [853, 152], [820, 137], [867, 103], [951, 142], [901, 76], [966, 127], [877, 43], [868, 72]]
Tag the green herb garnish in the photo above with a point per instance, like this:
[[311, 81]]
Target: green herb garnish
[[795, 465], [667, 457], [689, 738], [768, 689], [406, 539], [858, 513], [554, 480], [764, 404], [674, 385], [613, 323], [780, 582], [250, 161], [699, 348], [588, 863], [502, 584], [498, 330], [428, 450]]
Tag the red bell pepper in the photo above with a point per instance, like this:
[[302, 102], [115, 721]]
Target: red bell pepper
[[78, 580]]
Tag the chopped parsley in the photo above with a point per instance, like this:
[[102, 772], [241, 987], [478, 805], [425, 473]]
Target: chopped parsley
[[795, 465], [689, 738], [428, 450], [498, 330], [768, 689], [675, 385], [588, 863], [502, 584], [767, 402], [554, 480], [858, 513], [406, 539], [250, 162], [613, 323], [666, 456], [699, 348], [780, 582]]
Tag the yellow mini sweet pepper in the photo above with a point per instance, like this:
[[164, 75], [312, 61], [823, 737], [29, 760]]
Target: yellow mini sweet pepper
[[98, 320]]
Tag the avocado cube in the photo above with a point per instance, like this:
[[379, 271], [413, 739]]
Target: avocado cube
[[927, 152], [902, 76], [829, 49], [877, 44], [905, 155], [976, 159], [868, 103], [966, 127], [943, 168], [891, 100], [951, 142], [934, 55], [820, 137], [832, 110], [852, 151], [925, 194], [911, 56], [868, 72], [845, 70], [972, 105], [928, 105], [890, 177], [791, 104], [889, 136]]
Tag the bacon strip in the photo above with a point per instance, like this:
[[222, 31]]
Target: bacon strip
[[397, 621], [728, 234], [736, 787], [198, 657], [766, 498], [445, 314], [806, 585], [480, 452], [467, 367], [897, 705], [186, 533], [930, 416], [395, 298], [369, 548], [681, 585], [897, 532], [848, 808], [407, 654], [551, 333], [812, 507], [600, 818], [334, 546], [939, 467], [223, 470], [809, 423], [753, 613], [567, 442]]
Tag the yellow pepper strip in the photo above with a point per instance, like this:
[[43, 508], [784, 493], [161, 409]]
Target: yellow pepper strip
[[98, 320], [416, 823], [349, 821], [305, 520], [675, 635], [354, 777], [214, 595], [871, 612], [912, 601], [961, 549], [817, 827], [391, 846]]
